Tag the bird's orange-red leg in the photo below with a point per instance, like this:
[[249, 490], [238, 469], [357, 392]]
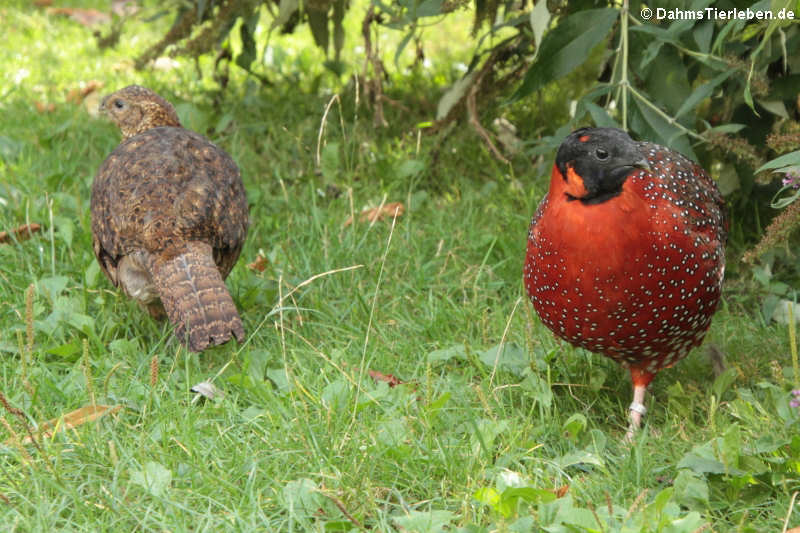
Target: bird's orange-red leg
[[641, 379]]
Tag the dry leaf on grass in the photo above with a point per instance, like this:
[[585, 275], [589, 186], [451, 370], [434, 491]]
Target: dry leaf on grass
[[77, 94], [393, 381], [260, 264], [22, 233], [378, 213], [76, 418], [207, 390], [86, 17], [44, 107], [561, 491]]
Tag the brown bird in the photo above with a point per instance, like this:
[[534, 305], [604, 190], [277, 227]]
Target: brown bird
[[169, 218], [626, 253]]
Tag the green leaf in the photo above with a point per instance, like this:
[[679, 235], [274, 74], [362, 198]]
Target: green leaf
[[668, 83], [597, 377], [566, 47], [337, 17], [730, 447], [438, 403], [705, 458], [574, 426], [425, 521], [524, 524], [776, 107], [154, 478], [691, 490], [701, 93], [701, 460], [301, 497], [661, 131], [579, 457], [487, 496], [255, 362], [392, 433], [409, 168], [722, 36], [702, 33], [485, 431], [790, 159], [402, 46], [247, 32], [507, 356], [528, 494], [66, 350], [335, 394], [540, 20], [454, 94], [428, 8], [724, 382], [123, 348], [687, 524], [539, 388], [600, 116], [52, 286], [64, 229], [661, 500], [81, 322], [285, 10], [748, 98], [725, 128], [318, 22], [91, 275], [768, 444], [457, 351]]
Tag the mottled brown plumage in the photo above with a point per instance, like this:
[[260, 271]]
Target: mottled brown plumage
[[169, 218]]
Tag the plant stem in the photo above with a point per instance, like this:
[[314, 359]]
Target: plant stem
[[623, 82], [663, 115]]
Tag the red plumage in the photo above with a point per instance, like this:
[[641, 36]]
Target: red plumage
[[626, 252]]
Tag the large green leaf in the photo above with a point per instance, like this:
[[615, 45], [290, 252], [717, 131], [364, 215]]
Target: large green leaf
[[540, 20], [432, 521], [654, 127], [286, 9], [318, 22], [790, 159], [567, 46], [667, 82]]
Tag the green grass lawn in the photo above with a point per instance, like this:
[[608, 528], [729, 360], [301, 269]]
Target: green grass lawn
[[494, 415]]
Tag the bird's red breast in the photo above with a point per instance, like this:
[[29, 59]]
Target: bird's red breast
[[636, 276]]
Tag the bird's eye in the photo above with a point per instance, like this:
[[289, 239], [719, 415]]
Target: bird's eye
[[601, 154], [119, 104]]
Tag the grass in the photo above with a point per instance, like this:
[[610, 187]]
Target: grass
[[304, 439]]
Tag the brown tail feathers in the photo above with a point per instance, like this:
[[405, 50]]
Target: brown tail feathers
[[195, 298]]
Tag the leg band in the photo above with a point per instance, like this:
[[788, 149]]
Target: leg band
[[639, 408]]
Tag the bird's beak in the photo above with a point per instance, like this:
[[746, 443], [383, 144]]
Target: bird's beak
[[643, 164]]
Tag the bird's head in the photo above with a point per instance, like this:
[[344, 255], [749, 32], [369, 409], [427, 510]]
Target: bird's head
[[136, 109], [595, 162]]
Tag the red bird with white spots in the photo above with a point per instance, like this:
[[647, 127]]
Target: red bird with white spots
[[626, 252]]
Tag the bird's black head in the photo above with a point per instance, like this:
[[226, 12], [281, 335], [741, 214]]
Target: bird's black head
[[596, 161]]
